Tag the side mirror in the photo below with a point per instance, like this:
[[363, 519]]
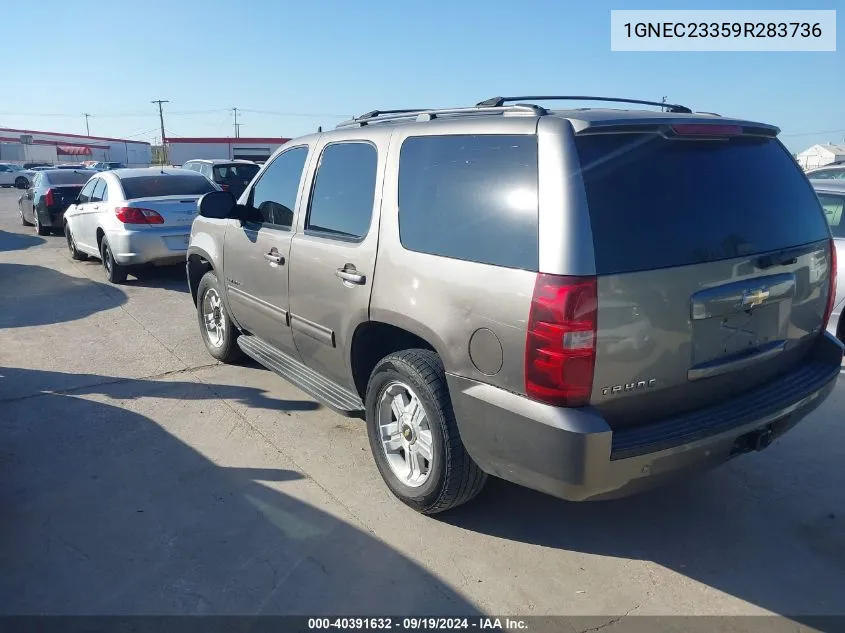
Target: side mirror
[[218, 204]]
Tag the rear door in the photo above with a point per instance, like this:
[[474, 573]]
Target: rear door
[[333, 256], [712, 259], [257, 251]]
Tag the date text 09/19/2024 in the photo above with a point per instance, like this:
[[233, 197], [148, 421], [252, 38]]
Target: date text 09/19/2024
[[418, 624]]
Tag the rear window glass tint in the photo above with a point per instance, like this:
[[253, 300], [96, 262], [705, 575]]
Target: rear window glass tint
[[833, 206], [67, 177], [657, 203], [165, 185], [235, 172], [470, 197]]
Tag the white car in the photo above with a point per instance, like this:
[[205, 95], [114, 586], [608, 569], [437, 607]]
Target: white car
[[12, 175], [128, 217]]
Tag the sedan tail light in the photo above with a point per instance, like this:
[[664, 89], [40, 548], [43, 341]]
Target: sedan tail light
[[49, 200], [136, 215]]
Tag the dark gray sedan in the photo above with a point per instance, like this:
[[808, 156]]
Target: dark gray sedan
[[51, 193]]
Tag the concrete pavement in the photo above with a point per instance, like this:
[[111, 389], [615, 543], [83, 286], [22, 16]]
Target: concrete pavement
[[141, 477]]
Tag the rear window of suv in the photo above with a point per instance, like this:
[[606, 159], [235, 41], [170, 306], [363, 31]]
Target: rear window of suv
[[657, 203], [165, 185], [223, 173]]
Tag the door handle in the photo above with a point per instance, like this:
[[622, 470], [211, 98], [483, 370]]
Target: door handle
[[350, 275], [274, 258]]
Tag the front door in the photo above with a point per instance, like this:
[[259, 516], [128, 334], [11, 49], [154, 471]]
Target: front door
[[333, 256], [257, 251]]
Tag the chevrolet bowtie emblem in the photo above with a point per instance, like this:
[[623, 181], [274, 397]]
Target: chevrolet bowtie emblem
[[753, 298]]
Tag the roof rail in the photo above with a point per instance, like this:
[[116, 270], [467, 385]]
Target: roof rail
[[382, 116], [500, 101]]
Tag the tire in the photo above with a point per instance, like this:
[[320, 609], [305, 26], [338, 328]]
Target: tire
[[24, 221], [21, 183], [39, 228], [452, 477], [219, 335], [115, 273], [75, 253]]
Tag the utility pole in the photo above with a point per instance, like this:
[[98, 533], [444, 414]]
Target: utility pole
[[237, 125], [87, 129], [662, 109], [161, 118]]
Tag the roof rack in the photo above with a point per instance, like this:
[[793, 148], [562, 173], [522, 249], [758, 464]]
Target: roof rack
[[496, 102], [382, 116]]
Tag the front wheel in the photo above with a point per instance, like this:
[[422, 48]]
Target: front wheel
[[115, 273], [75, 253], [24, 221], [218, 331], [413, 434]]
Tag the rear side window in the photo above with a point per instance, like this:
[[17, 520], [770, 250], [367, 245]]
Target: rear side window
[[833, 206], [165, 185], [344, 189], [657, 203], [470, 197], [99, 191], [223, 173]]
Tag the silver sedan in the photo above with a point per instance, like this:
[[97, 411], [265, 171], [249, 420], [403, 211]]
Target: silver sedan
[[128, 217]]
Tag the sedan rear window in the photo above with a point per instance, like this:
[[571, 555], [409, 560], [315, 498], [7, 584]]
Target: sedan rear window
[[657, 203], [66, 177], [165, 185]]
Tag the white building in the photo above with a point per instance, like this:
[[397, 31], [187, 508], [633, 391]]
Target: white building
[[821, 155], [23, 146], [182, 149]]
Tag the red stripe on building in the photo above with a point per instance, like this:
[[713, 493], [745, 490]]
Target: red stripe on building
[[4, 139], [96, 138]]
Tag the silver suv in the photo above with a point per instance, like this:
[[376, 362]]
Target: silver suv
[[582, 301]]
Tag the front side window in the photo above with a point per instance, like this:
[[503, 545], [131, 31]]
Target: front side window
[[99, 191], [471, 197], [344, 189], [273, 198]]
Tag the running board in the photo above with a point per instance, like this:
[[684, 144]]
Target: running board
[[319, 387]]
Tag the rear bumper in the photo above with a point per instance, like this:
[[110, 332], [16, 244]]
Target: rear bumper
[[52, 216], [149, 245], [574, 454]]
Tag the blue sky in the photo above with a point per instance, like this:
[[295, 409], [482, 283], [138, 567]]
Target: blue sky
[[278, 60]]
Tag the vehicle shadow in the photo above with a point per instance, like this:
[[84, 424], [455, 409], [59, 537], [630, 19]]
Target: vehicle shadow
[[166, 277], [35, 295], [107, 513], [17, 383], [18, 241], [758, 531]]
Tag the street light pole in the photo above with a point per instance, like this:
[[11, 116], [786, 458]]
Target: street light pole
[[161, 119]]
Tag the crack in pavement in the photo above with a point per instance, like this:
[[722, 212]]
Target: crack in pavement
[[612, 621]]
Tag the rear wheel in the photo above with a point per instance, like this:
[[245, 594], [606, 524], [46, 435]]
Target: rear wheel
[[75, 253], [413, 434], [218, 331], [39, 228], [115, 273]]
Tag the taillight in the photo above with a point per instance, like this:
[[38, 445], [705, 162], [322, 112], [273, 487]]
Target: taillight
[[135, 215], [831, 298], [48, 198], [560, 347], [706, 129], [224, 187]]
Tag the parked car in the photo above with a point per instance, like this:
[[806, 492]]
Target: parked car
[[51, 193], [106, 166], [831, 172], [129, 217], [12, 175], [831, 194], [461, 278], [229, 175]]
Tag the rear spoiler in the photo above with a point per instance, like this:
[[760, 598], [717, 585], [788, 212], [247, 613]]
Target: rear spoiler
[[676, 128]]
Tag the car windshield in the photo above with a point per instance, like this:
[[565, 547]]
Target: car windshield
[[165, 185], [234, 172], [66, 177]]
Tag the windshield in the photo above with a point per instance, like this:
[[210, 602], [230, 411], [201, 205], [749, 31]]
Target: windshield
[[165, 185]]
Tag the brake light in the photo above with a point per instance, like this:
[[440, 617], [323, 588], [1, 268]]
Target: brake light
[[706, 129], [136, 215], [831, 298], [224, 187], [48, 198], [560, 346]]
